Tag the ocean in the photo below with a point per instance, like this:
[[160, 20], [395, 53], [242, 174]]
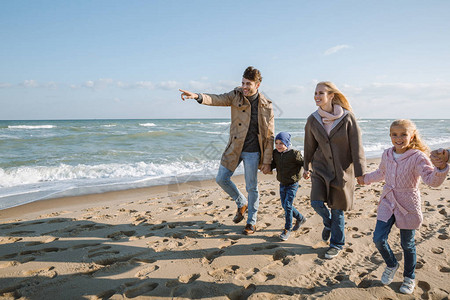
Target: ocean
[[49, 159]]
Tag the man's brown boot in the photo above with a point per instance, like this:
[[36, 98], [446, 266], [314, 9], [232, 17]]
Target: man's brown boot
[[249, 229], [240, 214]]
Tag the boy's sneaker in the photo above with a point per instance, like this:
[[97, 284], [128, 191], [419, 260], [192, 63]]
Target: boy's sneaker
[[285, 235], [298, 223], [326, 234], [388, 274], [407, 286], [332, 252]]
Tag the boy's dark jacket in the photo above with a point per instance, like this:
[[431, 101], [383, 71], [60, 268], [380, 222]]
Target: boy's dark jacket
[[288, 165]]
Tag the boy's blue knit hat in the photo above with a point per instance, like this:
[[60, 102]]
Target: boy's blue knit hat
[[284, 137]]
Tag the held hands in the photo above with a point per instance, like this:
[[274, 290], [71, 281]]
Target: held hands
[[188, 95], [265, 169], [439, 158], [306, 174], [360, 180]]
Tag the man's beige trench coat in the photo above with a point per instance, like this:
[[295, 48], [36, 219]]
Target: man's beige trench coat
[[240, 121], [336, 159]]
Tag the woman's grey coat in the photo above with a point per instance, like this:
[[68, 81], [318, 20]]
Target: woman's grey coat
[[336, 159]]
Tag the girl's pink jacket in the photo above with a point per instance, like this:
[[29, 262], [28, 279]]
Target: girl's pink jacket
[[401, 195]]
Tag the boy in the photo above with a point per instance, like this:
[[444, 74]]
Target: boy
[[288, 163]]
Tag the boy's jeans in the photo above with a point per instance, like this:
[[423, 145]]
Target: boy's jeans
[[287, 196], [380, 238], [333, 221], [251, 162]]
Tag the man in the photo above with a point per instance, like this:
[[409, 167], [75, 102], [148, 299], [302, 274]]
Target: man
[[251, 141]]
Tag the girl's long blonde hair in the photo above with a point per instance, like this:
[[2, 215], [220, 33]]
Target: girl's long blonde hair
[[416, 142], [338, 98]]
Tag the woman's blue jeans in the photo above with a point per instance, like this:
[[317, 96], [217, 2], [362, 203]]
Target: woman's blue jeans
[[223, 178], [380, 238], [334, 221], [287, 196]]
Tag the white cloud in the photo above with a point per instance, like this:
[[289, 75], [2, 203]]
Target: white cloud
[[168, 85], [200, 86], [34, 84], [143, 85], [335, 49], [30, 84]]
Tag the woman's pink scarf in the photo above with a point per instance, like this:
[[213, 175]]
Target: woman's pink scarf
[[329, 118]]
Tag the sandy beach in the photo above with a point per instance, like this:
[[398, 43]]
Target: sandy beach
[[179, 242]]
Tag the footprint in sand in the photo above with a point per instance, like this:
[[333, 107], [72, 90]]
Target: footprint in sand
[[45, 272], [223, 273], [143, 288], [146, 271], [227, 243], [420, 263], [211, 256], [444, 269], [437, 250], [188, 278], [103, 253], [181, 287], [120, 234], [248, 275], [40, 251], [341, 277], [242, 293], [443, 237], [282, 255]]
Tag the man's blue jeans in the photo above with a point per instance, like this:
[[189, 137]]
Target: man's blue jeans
[[380, 238], [334, 221], [287, 196], [223, 178]]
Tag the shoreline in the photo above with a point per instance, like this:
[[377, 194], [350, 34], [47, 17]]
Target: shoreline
[[131, 194]]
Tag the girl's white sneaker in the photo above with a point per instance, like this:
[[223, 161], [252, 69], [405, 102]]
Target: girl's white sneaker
[[407, 286], [388, 274]]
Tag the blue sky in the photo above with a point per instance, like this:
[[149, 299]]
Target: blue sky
[[127, 59]]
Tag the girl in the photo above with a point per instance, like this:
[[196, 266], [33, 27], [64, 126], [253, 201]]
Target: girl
[[400, 167], [334, 149]]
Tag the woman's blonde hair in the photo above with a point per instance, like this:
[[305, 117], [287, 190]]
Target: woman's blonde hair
[[416, 142], [338, 98]]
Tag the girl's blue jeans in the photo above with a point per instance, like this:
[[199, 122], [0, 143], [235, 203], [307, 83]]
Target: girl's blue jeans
[[287, 196], [380, 238], [223, 178]]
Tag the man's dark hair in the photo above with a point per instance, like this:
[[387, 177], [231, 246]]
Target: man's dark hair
[[252, 74]]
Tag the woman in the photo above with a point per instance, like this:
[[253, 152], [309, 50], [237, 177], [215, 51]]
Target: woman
[[334, 149]]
